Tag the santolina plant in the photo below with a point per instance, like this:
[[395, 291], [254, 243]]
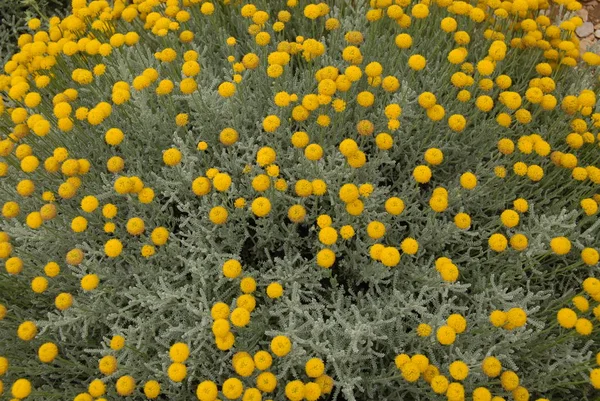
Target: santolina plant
[[283, 200]]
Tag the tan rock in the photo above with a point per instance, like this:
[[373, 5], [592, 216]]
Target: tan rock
[[583, 14], [585, 30], [585, 43]]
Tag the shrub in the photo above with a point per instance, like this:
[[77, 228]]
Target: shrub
[[287, 200]]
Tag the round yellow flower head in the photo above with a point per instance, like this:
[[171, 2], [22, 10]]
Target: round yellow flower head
[[274, 290], [417, 62], [21, 388], [446, 335], [491, 366], [458, 370], [560, 245], [281, 345], [424, 330], [27, 331], [422, 174], [125, 385], [314, 367], [172, 157], [47, 352]]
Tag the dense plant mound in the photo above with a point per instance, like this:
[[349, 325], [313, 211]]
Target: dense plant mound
[[285, 200]]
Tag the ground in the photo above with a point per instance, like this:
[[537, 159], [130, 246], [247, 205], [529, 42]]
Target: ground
[[589, 32]]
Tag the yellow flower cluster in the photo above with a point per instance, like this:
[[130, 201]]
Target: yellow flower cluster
[[337, 168]]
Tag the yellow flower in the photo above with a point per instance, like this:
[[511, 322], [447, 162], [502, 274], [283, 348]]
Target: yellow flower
[[446, 335], [172, 157], [274, 290], [457, 322], [265, 156], [281, 345], [261, 206], [567, 318], [390, 256], [179, 352], [228, 136], [365, 99], [188, 86], [403, 41], [232, 268], [152, 389], [515, 317], [485, 67], [509, 380], [33, 24], [384, 141], [96, 388], [47, 352], [117, 342], [416, 62], [509, 218], [207, 391], [135, 226], [468, 180], [177, 372], [39, 285], [159, 236], [21, 388], [420, 11], [63, 301], [125, 385], [590, 256], [410, 372], [113, 248], [348, 146], [376, 229], [27, 331], [583, 327], [424, 330], [347, 232], [74, 257], [394, 205], [226, 89], [434, 156], [247, 285], [222, 182], [462, 221], [457, 122], [439, 384], [427, 100], [181, 119], [422, 174], [595, 378], [314, 367], [201, 186], [90, 282], [312, 11], [207, 8], [458, 370], [328, 236], [482, 394], [313, 152], [560, 245], [409, 246], [325, 258], [295, 390]]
